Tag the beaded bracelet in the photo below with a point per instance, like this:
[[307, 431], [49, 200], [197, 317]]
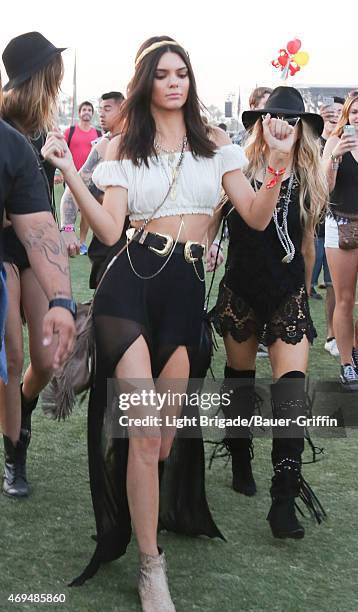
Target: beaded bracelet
[[277, 174]]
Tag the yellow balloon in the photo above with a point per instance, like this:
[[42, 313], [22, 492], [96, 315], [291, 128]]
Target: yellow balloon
[[301, 58]]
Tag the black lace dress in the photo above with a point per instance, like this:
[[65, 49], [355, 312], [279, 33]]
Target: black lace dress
[[259, 294]]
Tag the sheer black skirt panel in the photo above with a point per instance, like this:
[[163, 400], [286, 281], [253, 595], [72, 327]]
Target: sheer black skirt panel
[[167, 311]]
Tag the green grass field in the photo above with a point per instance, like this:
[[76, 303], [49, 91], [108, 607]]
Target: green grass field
[[46, 541]]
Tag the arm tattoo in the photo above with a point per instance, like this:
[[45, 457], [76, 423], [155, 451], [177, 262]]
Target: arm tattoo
[[43, 237], [69, 207], [87, 170], [91, 162], [93, 189]]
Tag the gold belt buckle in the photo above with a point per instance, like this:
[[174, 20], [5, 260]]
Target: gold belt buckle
[[166, 248], [187, 251]]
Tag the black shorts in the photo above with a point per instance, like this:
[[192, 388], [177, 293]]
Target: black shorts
[[166, 309], [290, 322], [14, 251]]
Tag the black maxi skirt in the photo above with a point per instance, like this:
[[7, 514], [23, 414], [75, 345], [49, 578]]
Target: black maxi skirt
[[168, 311]]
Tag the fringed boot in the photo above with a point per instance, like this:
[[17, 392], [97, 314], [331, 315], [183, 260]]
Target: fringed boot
[[284, 489], [289, 402], [238, 440], [153, 584]]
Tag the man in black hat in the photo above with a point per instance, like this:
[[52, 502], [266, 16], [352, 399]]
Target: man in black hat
[[23, 198], [38, 52], [29, 59]]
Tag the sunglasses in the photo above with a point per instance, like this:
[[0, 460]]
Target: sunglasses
[[293, 121]]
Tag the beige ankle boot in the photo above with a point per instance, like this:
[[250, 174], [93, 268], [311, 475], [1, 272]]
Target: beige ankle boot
[[153, 585]]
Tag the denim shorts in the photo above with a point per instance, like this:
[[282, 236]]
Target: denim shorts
[[331, 233]]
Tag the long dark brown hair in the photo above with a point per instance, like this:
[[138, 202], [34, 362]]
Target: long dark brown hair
[[32, 105], [137, 123]]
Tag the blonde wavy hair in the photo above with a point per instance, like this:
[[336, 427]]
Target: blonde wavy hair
[[307, 167], [33, 105], [344, 120]]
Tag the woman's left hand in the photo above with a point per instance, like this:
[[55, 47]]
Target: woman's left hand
[[279, 135]]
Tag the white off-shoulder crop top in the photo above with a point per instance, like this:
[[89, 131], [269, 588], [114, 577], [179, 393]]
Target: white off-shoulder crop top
[[198, 187]]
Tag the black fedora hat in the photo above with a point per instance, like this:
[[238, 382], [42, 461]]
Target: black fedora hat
[[288, 102], [25, 55]]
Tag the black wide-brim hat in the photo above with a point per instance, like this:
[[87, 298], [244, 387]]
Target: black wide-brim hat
[[25, 55], [285, 101]]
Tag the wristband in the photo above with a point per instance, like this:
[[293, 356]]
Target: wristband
[[67, 228], [66, 303], [277, 174]]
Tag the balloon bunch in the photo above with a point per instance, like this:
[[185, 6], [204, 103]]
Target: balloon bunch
[[291, 59]]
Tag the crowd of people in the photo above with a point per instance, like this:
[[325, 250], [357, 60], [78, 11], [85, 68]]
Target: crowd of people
[[156, 186]]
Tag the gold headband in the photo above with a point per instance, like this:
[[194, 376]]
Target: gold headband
[[153, 47]]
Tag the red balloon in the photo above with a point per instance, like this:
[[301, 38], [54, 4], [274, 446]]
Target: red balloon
[[294, 68], [293, 46], [282, 60]]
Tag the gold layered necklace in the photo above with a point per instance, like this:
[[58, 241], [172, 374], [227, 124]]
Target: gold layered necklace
[[172, 163]]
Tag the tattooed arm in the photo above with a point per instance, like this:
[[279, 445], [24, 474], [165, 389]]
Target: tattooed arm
[[46, 252], [68, 206], [48, 258]]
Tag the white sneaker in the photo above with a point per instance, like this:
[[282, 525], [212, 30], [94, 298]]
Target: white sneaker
[[355, 357], [262, 351], [349, 377], [332, 348]]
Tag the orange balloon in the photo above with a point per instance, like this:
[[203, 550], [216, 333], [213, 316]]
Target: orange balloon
[[301, 58]]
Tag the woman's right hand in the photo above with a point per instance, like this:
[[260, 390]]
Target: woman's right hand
[[279, 136], [345, 144], [56, 151]]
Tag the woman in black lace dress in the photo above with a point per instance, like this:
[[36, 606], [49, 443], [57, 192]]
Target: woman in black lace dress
[[263, 297]]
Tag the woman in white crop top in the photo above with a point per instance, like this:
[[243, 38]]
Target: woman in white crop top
[[167, 170]]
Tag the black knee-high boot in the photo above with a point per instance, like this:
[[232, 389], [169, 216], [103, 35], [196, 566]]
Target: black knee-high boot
[[288, 397], [241, 386]]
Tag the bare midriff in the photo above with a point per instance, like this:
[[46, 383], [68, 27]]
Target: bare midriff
[[194, 227]]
